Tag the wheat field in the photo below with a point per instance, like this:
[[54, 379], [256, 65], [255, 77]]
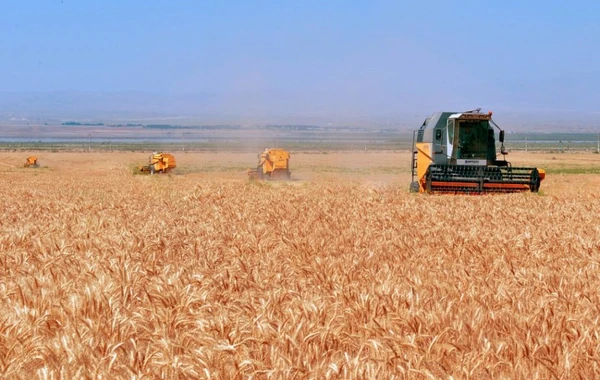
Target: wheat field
[[339, 274]]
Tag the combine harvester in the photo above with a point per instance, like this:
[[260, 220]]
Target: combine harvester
[[455, 152], [159, 163], [273, 164], [31, 162]]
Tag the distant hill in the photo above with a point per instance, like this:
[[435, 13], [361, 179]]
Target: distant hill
[[265, 107]]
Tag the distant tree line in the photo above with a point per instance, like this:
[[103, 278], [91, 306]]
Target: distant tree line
[[86, 124], [124, 125], [294, 127], [169, 126]]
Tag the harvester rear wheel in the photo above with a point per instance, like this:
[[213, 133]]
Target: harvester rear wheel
[[280, 174]]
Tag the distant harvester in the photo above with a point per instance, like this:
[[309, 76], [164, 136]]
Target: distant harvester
[[159, 162], [273, 163], [31, 162]]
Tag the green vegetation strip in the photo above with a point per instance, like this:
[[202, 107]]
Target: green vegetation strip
[[573, 170]]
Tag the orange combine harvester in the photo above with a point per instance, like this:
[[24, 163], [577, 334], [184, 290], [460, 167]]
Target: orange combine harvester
[[159, 162], [31, 162], [273, 164]]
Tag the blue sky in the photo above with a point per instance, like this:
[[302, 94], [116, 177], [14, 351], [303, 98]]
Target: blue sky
[[380, 56]]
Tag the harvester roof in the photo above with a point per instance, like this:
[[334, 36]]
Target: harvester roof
[[471, 116]]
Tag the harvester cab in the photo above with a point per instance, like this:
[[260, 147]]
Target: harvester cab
[[455, 152], [159, 162], [273, 163], [31, 162]]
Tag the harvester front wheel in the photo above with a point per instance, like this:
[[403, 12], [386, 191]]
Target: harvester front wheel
[[414, 187], [536, 185], [151, 167], [536, 181], [253, 174]]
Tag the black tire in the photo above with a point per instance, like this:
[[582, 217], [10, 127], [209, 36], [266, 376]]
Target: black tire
[[414, 187], [536, 186], [537, 182]]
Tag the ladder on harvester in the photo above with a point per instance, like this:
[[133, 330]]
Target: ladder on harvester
[[414, 156], [414, 186]]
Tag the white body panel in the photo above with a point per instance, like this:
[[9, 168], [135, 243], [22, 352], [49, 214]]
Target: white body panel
[[472, 161]]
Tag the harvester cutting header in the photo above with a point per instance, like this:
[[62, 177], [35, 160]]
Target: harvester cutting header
[[455, 152]]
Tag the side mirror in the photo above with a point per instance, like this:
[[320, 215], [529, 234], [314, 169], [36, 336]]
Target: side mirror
[[438, 134], [501, 137]]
